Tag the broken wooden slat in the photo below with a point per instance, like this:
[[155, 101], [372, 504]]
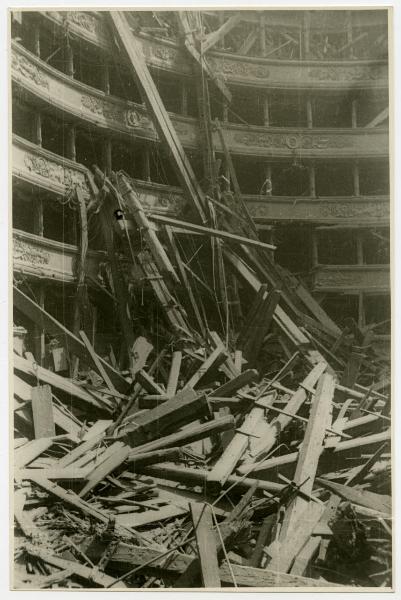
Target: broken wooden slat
[[110, 460], [231, 387], [215, 359], [184, 408], [174, 373], [187, 435], [378, 502], [96, 360], [202, 520], [188, 227], [235, 449], [155, 106], [309, 453], [42, 411]]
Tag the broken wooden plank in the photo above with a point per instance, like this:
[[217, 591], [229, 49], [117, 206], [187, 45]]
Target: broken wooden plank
[[56, 381], [174, 373], [202, 521], [214, 359], [96, 360], [233, 385], [184, 408], [235, 449], [187, 435], [378, 502], [188, 227], [309, 453], [160, 116], [110, 460], [42, 411]]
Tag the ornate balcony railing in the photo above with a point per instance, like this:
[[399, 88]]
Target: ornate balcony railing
[[166, 55], [49, 171], [39, 257], [127, 118]]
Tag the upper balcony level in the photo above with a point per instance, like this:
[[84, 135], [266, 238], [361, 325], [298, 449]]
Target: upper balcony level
[[57, 91], [274, 49]]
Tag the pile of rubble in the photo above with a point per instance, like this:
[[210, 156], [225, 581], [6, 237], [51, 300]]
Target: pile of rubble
[[240, 439], [258, 462]]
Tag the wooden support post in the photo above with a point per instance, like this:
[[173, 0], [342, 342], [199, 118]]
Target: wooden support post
[[312, 181], [106, 76], [36, 39], [112, 458], [70, 60], [42, 411], [355, 175], [309, 113], [266, 108], [349, 33], [71, 149], [37, 126], [202, 520], [354, 113]]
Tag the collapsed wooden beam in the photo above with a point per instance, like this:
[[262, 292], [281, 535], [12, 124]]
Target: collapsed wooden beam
[[73, 344], [154, 103]]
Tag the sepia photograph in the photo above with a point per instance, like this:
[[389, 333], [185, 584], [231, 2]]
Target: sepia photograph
[[200, 356]]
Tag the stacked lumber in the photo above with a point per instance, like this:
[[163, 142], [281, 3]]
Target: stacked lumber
[[233, 436]]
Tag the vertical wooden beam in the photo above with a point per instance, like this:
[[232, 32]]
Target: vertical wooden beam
[[37, 125], [36, 39], [42, 411], [202, 520], [309, 113], [70, 60], [355, 175], [361, 310], [354, 113], [312, 181], [39, 333], [106, 76], [359, 248], [71, 148], [266, 109]]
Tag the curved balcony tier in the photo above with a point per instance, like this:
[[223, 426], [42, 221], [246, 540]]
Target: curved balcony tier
[[125, 118], [234, 69], [41, 258], [46, 170], [43, 169], [351, 279]]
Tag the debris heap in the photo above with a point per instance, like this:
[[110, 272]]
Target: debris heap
[[241, 439]]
